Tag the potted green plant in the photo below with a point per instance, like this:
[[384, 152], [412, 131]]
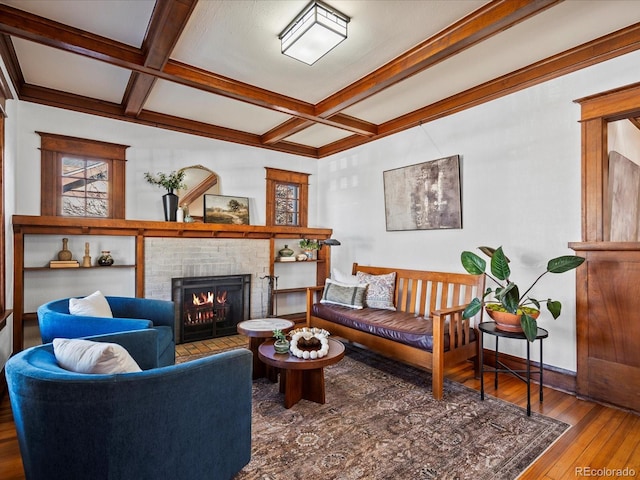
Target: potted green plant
[[281, 345], [309, 247], [506, 298], [170, 182]]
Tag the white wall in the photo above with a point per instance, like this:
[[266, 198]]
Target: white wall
[[241, 169], [520, 175]]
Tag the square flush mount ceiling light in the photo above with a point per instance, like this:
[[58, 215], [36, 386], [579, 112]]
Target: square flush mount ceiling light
[[314, 32]]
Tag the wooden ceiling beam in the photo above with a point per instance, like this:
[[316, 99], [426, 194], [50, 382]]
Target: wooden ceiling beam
[[8, 53], [604, 48], [53, 34], [294, 125], [68, 101], [168, 20], [483, 23], [359, 126], [285, 130]]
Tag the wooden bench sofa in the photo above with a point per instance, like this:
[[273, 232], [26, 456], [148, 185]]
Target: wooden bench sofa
[[428, 315]]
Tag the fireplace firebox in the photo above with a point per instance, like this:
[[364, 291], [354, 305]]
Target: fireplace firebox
[[210, 307]]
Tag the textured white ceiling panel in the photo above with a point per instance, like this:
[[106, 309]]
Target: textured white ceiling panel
[[239, 39], [318, 135], [566, 26], [52, 68], [186, 102], [122, 20]]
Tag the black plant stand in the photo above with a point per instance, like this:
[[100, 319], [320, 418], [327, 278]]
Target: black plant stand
[[490, 329]]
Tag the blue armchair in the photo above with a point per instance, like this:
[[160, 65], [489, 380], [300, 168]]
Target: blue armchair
[[186, 421], [129, 313]]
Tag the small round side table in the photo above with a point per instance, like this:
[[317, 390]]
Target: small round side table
[[490, 328], [301, 379], [258, 330]]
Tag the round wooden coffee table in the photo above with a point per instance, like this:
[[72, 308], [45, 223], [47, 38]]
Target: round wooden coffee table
[[258, 330], [301, 378]]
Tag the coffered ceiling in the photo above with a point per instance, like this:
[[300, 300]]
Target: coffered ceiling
[[214, 67]]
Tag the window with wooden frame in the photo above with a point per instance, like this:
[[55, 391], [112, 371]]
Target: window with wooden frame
[[287, 198], [81, 177]]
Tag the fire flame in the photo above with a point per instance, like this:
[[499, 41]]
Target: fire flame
[[207, 298], [221, 298]]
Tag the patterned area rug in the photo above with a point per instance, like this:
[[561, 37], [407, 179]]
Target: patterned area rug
[[381, 422]]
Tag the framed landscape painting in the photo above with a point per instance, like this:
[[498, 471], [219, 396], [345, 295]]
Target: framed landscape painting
[[425, 196], [225, 209]]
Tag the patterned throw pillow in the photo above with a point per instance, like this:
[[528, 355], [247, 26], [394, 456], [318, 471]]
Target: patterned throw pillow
[[380, 290], [337, 293]]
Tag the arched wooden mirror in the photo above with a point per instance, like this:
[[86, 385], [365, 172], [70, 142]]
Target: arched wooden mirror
[[199, 181]]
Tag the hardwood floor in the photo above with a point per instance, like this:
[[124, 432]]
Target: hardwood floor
[[601, 443]]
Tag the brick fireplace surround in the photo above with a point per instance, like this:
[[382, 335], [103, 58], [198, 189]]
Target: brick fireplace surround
[[167, 258]]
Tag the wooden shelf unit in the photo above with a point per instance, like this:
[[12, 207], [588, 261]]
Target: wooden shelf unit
[[141, 229], [28, 269], [322, 264]]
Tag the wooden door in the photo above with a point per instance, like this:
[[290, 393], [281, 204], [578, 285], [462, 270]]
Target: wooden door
[[608, 323]]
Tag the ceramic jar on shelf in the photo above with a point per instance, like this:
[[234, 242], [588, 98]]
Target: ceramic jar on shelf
[[105, 259]]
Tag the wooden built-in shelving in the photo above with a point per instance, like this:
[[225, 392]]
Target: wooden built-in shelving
[[141, 229]]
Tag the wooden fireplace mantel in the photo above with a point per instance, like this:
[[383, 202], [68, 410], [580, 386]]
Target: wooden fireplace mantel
[[140, 229], [27, 224]]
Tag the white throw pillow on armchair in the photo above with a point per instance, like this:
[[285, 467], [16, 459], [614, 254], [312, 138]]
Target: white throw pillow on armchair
[[94, 305], [85, 356]]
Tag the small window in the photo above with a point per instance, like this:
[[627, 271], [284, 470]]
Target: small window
[[85, 187], [81, 178], [287, 204], [287, 194]]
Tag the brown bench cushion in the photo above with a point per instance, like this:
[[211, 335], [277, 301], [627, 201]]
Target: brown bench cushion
[[399, 326]]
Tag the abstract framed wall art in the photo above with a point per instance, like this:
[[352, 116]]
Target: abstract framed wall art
[[425, 196], [226, 209]]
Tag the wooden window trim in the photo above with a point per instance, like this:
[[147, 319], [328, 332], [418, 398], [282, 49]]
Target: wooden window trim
[[596, 111], [275, 176], [52, 146]]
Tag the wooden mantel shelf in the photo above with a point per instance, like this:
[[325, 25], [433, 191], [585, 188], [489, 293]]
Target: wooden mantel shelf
[[24, 225], [27, 224]]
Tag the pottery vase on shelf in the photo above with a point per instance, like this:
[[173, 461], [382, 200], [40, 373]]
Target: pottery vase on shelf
[[170, 204], [86, 260], [286, 251], [105, 259], [65, 253]]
